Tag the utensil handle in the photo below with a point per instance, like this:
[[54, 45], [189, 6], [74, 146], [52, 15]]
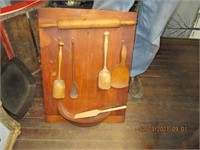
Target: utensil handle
[[73, 65], [60, 59], [47, 25], [106, 34], [88, 23], [123, 54], [128, 22], [112, 109]]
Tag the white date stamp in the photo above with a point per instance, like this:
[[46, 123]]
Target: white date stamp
[[162, 128]]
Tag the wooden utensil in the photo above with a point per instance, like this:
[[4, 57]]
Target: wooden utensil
[[120, 75], [87, 23], [104, 79], [95, 112], [63, 109], [74, 88], [59, 84]]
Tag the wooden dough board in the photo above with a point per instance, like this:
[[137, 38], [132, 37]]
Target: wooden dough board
[[88, 61]]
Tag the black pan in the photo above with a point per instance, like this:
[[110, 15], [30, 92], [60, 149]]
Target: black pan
[[17, 88]]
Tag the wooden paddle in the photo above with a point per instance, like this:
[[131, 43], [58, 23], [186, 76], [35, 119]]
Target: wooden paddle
[[95, 112], [120, 75], [59, 84], [104, 79]]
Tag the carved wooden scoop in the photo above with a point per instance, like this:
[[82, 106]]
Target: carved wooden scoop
[[59, 84], [104, 78], [120, 75]]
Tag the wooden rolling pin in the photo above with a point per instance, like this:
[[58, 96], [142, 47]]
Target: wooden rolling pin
[[87, 23]]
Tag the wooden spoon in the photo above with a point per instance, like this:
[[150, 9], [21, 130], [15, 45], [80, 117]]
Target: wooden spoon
[[74, 88], [120, 75]]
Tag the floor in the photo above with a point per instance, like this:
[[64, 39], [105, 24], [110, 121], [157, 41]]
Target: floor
[[167, 117]]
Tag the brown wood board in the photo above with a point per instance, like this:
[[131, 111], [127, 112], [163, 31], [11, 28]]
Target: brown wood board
[[88, 59], [18, 32]]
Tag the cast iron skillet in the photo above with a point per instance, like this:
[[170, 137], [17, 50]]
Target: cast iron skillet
[[17, 88]]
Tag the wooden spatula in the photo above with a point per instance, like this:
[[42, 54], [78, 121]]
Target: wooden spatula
[[120, 75], [59, 84], [95, 112], [104, 78]]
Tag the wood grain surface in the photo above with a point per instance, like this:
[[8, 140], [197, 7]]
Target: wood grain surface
[[19, 34], [88, 59], [171, 99]]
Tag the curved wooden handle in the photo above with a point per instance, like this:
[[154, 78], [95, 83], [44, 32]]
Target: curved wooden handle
[[87, 23], [60, 59]]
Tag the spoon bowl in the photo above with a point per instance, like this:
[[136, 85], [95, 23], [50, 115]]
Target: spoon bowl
[[74, 91]]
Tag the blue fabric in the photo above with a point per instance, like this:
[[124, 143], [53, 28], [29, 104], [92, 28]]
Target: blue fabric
[[152, 19]]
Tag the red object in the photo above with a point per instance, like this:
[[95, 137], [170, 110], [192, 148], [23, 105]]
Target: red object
[[20, 6], [9, 10], [6, 43]]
